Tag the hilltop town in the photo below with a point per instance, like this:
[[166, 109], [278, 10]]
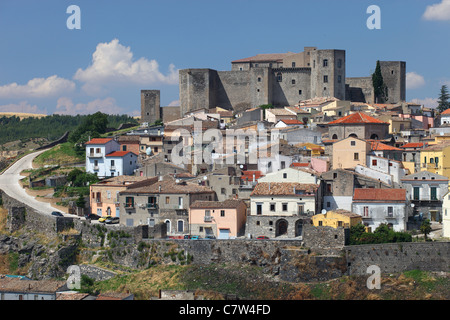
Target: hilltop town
[[282, 152]]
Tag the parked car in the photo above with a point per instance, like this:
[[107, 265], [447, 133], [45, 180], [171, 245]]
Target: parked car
[[103, 219], [262, 238], [210, 237], [186, 236], [57, 214], [92, 216], [112, 220], [195, 238]]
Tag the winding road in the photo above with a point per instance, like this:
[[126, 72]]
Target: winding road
[[9, 183]]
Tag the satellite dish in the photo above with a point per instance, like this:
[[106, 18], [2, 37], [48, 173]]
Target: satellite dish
[[145, 131], [177, 181], [241, 166], [205, 178], [324, 211], [148, 151]]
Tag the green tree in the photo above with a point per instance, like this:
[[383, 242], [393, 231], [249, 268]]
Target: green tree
[[444, 99], [380, 89], [425, 228]]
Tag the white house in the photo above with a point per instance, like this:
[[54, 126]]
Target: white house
[[382, 206], [104, 158], [445, 117], [283, 199], [299, 175]]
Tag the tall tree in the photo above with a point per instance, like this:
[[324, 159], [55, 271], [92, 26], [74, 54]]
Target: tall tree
[[378, 85], [444, 99]]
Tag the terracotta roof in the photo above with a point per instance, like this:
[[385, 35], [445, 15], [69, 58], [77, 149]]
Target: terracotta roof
[[446, 111], [248, 175], [264, 57], [413, 145], [356, 118], [378, 146], [99, 141], [228, 204], [119, 153], [298, 164], [168, 186], [17, 285], [291, 121], [381, 195], [284, 189]]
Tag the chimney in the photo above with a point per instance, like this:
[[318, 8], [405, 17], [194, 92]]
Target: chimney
[[159, 188]]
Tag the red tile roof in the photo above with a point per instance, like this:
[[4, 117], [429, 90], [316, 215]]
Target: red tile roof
[[379, 195], [99, 141], [298, 164], [284, 189], [118, 153], [357, 118], [248, 175], [446, 111], [378, 146], [413, 145], [291, 121]]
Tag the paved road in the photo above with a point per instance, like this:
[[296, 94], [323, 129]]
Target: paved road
[[9, 183]]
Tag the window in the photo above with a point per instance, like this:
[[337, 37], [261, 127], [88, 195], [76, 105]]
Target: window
[[339, 63], [259, 79], [279, 77], [339, 79], [366, 212], [328, 204], [335, 175], [272, 207], [284, 207], [223, 191], [293, 64], [299, 92], [356, 156], [293, 81], [320, 223], [390, 211], [325, 62], [325, 79], [374, 162], [167, 200], [222, 213], [284, 175], [340, 223], [129, 202], [283, 164]]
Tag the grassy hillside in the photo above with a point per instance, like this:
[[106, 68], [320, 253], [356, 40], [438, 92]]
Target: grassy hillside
[[59, 155], [249, 282]]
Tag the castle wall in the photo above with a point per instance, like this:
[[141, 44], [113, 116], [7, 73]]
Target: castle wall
[[394, 76], [150, 106]]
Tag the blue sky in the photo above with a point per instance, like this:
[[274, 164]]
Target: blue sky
[[125, 46]]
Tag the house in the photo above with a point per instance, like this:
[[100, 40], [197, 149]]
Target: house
[[296, 135], [129, 143], [166, 201], [358, 125], [12, 288], [292, 174], [411, 153], [104, 158], [436, 158], [426, 190], [446, 215], [280, 208], [349, 152], [288, 123], [386, 151], [104, 195], [445, 117], [382, 206], [336, 219], [222, 219], [338, 186], [383, 169], [277, 114]]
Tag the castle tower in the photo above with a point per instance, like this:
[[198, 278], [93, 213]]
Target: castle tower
[[328, 73], [150, 106], [394, 77]]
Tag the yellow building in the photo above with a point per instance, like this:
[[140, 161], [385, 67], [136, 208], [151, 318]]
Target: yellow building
[[436, 159], [349, 152], [337, 218]]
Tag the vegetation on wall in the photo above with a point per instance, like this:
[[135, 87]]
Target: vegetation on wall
[[382, 234]]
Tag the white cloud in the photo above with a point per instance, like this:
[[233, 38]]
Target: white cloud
[[427, 102], [439, 11], [414, 80], [38, 88], [68, 107], [113, 63], [22, 107], [174, 103]]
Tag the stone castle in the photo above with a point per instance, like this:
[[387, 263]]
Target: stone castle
[[278, 79]]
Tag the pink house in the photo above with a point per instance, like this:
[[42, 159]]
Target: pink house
[[223, 220], [427, 122]]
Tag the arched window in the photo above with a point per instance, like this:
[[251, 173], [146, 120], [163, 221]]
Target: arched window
[[334, 137]]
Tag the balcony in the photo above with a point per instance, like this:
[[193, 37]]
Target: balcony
[[152, 206], [208, 219], [95, 155], [128, 205], [96, 168], [112, 168], [431, 166]]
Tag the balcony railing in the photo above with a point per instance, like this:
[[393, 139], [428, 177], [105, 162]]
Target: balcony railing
[[208, 219], [128, 205], [95, 155], [112, 168], [152, 206]]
